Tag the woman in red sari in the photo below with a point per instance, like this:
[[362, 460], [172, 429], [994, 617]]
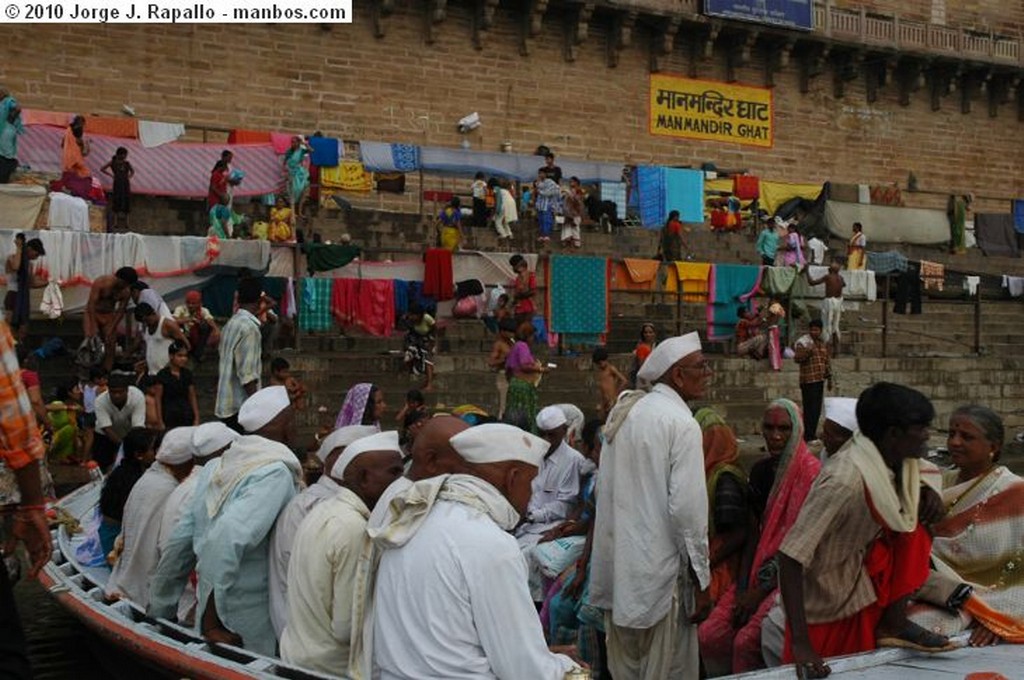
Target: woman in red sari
[[730, 639]]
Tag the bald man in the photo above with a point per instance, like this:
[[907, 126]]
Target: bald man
[[432, 455], [447, 556]]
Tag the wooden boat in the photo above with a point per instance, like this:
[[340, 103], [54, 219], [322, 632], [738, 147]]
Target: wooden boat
[[174, 651], [169, 649]]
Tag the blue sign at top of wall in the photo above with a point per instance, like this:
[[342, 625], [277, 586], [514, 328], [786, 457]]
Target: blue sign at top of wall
[[786, 13]]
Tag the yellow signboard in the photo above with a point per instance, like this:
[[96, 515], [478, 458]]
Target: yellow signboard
[[707, 109]]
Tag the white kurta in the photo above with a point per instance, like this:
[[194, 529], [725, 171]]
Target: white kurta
[[282, 539], [555, 492], [652, 511], [320, 593], [452, 603], [140, 530]]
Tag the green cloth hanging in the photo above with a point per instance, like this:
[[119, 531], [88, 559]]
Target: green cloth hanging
[[321, 257]]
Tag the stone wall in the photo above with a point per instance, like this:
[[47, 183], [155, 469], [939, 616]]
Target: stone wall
[[346, 82]]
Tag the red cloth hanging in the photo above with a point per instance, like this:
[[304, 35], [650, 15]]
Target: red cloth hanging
[[238, 136], [345, 301], [438, 279], [376, 306], [746, 187]]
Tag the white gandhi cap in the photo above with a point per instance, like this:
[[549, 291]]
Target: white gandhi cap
[[262, 407], [842, 411], [666, 354], [343, 436], [176, 448], [499, 443], [382, 441]]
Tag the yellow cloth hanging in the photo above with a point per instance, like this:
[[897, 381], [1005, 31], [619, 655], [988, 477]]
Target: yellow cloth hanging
[[347, 175], [693, 280]]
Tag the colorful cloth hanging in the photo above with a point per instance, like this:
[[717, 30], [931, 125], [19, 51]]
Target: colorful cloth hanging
[[326, 151], [693, 280], [731, 285], [315, 311], [347, 175], [375, 311], [438, 280], [321, 257], [577, 295]]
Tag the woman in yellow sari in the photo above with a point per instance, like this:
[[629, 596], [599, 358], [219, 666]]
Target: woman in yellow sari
[[449, 225], [855, 258], [977, 580]]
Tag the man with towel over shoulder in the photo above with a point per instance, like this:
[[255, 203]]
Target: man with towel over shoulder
[[283, 536], [451, 599], [226, 536], [650, 567], [327, 548]]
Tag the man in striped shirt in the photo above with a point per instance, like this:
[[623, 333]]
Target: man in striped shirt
[[859, 548], [240, 354], [21, 449]]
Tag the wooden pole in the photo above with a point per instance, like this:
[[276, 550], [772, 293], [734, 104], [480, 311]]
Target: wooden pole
[[885, 314], [977, 322]]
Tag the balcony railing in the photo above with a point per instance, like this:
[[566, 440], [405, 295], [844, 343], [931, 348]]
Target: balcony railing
[[891, 31], [857, 25]]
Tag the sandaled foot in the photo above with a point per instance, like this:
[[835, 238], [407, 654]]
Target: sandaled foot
[[917, 638]]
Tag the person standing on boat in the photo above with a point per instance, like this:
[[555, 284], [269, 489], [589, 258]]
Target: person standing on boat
[[451, 598], [283, 537], [143, 513], [21, 450], [860, 547], [226, 536], [328, 546]]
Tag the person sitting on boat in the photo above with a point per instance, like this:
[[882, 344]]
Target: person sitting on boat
[[138, 454], [841, 588], [327, 550], [140, 528], [446, 557], [226, 536], [976, 582], [283, 537], [209, 441]]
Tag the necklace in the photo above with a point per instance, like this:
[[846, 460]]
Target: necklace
[[971, 488]]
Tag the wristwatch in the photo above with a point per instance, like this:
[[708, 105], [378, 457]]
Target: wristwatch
[[960, 595]]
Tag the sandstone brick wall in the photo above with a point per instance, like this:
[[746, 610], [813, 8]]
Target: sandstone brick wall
[[346, 82]]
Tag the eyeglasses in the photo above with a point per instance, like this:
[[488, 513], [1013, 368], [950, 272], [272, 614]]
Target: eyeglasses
[[702, 367]]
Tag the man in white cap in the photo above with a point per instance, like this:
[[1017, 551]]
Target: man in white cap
[[327, 548], [556, 488], [432, 455], [291, 517], [143, 513], [209, 441], [840, 423], [226, 536], [451, 599], [650, 568]]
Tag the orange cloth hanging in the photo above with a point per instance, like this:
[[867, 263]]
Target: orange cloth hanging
[[109, 126]]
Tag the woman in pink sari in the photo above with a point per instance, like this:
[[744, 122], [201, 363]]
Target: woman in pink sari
[[730, 639]]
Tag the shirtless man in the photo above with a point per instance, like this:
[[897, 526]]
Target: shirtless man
[[609, 381], [499, 352], [832, 305], [107, 303]]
